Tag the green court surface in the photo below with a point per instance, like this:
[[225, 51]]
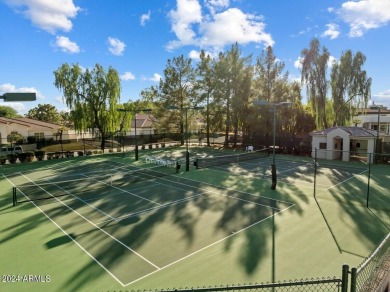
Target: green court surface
[[108, 223]]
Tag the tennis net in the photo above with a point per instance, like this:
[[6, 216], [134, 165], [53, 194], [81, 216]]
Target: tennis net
[[89, 186], [227, 159]]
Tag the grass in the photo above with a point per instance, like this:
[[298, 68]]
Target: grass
[[201, 242]]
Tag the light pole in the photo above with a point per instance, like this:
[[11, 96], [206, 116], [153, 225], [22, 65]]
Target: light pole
[[377, 148], [273, 105], [186, 130], [135, 126]]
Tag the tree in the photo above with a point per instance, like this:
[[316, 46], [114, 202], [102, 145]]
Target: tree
[[314, 69], [92, 96], [8, 112], [350, 86], [232, 82], [206, 85], [270, 84], [176, 89], [45, 113]]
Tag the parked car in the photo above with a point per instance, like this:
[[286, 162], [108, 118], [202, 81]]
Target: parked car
[[11, 150]]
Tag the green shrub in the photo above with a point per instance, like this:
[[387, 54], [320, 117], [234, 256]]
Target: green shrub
[[12, 158], [39, 155], [3, 159]]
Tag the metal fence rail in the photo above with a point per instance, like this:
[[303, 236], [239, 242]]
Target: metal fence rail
[[371, 274]]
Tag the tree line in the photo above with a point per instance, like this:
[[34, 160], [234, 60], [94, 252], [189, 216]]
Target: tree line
[[218, 94]]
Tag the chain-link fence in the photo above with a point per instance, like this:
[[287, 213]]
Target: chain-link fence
[[374, 273], [325, 285]]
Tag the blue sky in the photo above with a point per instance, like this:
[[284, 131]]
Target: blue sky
[[137, 37]]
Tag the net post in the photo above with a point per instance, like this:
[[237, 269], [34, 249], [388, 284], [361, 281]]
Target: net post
[[14, 202], [315, 172], [369, 178]]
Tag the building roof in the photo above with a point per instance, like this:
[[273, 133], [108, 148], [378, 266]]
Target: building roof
[[352, 131], [143, 121], [28, 122]]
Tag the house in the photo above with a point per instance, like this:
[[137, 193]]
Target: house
[[143, 124], [373, 116], [340, 142], [27, 127]]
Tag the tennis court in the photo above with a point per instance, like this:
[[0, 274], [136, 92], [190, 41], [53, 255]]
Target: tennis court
[[132, 212], [110, 223]]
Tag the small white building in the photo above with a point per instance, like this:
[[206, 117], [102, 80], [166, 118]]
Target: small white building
[[342, 142]]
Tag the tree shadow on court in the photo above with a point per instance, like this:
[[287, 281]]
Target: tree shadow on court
[[356, 229], [230, 214]]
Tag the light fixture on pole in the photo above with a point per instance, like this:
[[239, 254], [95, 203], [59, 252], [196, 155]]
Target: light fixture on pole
[[186, 129], [273, 105], [19, 96], [135, 126]]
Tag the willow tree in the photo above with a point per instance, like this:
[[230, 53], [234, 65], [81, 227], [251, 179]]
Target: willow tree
[[314, 76], [92, 96], [350, 87]]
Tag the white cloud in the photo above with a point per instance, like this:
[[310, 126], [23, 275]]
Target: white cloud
[[127, 76], [156, 77], [144, 18], [331, 61], [215, 30], [364, 15], [216, 5], [116, 47], [48, 15], [188, 12], [332, 32], [195, 55], [298, 63], [382, 98], [8, 87], [66, 45], [232, 26]]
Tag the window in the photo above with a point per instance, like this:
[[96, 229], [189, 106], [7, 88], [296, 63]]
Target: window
[[39, 135], [357, 145], [322, 145]]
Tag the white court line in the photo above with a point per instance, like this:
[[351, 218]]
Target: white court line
[[206, 247], [74, 240], [97, 227], [354, 176], [127, 192], [85, 202], [125, 216]]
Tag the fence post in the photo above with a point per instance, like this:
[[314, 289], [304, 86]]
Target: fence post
[[344, 279], [369, 177], [353, 279], [315, 172]]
